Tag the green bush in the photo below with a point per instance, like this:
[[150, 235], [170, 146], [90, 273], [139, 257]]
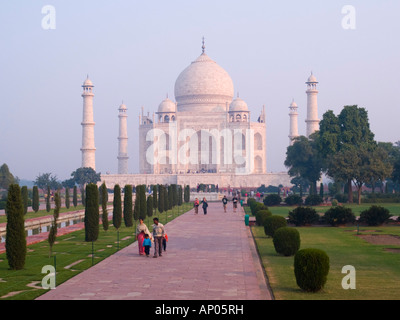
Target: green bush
[[335, 203], [339, 215], [311, 268], [303, 216], [257, 207], [272, 200], [286, 241], [375, 216], [261, 216], [313, 200], [294, 200], [273, 223]]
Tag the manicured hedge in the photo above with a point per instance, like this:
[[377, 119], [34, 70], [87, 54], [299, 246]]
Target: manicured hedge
[[286, 241]]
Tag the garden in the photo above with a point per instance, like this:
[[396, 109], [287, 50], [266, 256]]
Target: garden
[[351, 235]]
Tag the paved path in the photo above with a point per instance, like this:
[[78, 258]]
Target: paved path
[[208, 257]]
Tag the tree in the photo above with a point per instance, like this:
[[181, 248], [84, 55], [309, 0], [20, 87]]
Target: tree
[[170, 197], [15, 230], [25, 198], [83, 176], [155, 198], [47, 180], [48, 205], [149, 206], [53, 229], [321, 190], [6, 177], [92, 213], [67, 198], [75, 197], [186, 195], [117, 207], [160, 198], [166, 199], [179, 195], [143, 202], [104, 201], [35, 199], [303, 160], [336, 145], [128, 207]]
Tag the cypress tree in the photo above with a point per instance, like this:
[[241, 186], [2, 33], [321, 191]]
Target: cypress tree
[[104, 201], [174, 188], [128, 214], [25, 198], [67, 200], [117, 210], [92, 213], [75, 197], [35, 199], [48, 205], [53, 229], [143, 202], [83, 196], [15, 230], [150, 207], [321, 190], [170, 197], [160, 205], [166, 204], [179, 195], [186, 195], [155, 198]]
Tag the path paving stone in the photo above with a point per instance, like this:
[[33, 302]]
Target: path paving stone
[[208, 257]]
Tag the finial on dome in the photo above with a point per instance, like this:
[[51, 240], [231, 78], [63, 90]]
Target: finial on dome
[[204, 46]]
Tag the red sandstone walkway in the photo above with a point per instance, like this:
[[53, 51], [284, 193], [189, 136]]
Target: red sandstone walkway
[[208, 257]]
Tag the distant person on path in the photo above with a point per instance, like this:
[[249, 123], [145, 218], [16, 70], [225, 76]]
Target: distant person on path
[[224, 202], [164, 242], [196, 205], [158, 235], [204, 205], [235, 201], [141, 230], [147, 244]]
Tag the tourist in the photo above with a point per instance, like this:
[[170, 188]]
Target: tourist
[[164, 242], [224, 202], [147, 244], [196, 205], [235, 201], [158, 235], [204, 205], [141, 230]]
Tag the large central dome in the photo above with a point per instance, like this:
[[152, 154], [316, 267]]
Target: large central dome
[[203, 86]]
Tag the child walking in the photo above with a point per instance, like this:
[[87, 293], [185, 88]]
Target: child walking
[[147, 244]]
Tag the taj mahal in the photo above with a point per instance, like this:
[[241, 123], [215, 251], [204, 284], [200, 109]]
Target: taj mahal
[[206, 136]]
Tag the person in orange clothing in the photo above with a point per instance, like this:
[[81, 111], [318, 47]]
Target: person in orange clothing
[[164, 242]]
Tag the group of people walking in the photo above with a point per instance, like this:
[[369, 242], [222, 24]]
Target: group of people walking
[[146, 239], [159, 237], [204, 204]]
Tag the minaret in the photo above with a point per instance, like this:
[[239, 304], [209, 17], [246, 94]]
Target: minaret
[[123, 141], [312, 106], [88, 149], [294, 129]]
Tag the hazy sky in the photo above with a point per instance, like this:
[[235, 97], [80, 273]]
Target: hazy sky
[[135, 50]]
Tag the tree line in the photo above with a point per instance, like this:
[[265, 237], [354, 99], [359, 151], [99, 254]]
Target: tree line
[[344, 149]]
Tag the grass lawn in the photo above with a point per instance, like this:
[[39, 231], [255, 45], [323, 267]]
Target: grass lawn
[[73, 255], [377, 270], [44, 213]]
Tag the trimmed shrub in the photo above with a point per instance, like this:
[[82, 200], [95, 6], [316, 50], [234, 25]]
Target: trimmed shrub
[[273, 223], [15, 229], [261, 216], [375, 216], [313, 200], [294, 200], [257, 207], [272, 200], [311, 268], [303, 216], [286, 241], [334, 203], [339, 215], [92, 214]]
